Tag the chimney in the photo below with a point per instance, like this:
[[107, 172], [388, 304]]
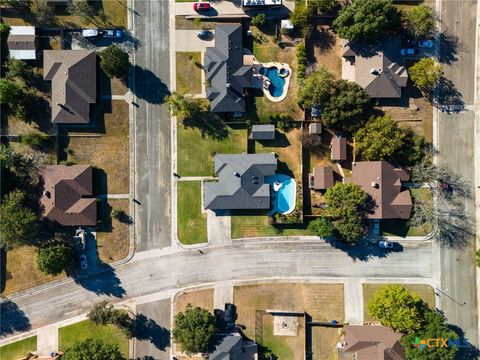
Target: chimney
[[375, 185], [374, 71]]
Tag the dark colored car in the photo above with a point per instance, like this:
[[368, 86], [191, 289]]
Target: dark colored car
[[204, 34], [201, 6]]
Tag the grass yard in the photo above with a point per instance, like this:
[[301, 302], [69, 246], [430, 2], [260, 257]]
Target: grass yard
[[425, 292], [189, 75], [265, 50], [112, 86], [182, 23], [109, 152], [200, 298], [325, 44], [324, 340], [323, 302], [113, 236], [192, 223], [195, 154], [68, 335], [22, 272], [18, 349]]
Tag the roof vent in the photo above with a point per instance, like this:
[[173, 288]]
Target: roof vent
[[375, 185], [228, 85], [236, 174], [374, 71], [47, 194]]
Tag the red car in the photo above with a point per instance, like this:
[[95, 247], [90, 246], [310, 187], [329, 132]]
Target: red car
[[201, 6]]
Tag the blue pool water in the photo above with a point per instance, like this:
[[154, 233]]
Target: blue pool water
[[276, 82], [283, 200]]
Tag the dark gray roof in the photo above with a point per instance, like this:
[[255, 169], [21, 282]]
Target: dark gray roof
[[263, 132], [225, 70], [241, 182], [232, 347]]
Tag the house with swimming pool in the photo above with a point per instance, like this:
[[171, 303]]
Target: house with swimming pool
[[249, 182]]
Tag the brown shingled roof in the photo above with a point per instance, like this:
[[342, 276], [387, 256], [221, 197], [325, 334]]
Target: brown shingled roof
[[73, 76], [339, 148], [67, 195], [322, 177], [383, 182], [373, 343]]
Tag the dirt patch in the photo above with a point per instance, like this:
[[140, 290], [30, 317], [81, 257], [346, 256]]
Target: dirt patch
[[323, 48], [200, 298]]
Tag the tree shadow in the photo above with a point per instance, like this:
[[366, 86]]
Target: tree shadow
[[449, 48], [13, 318], [208, 124], [148, 329], [465, 349], [105, 282], [323, 38], [363, 250], [148, 86], [450, 100]]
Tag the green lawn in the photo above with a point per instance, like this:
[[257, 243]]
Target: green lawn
[[279, 345], [425, 292], [68, 335], [195, 154], [189, 75], [18, 349], [192, 223]]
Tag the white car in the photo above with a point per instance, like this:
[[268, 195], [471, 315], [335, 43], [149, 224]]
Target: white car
[[90, 33], [425, 43], [384, 244], [83, 261]]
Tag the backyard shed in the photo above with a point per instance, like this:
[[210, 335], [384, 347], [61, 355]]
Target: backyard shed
[[322, 177], [263, 132], [338, 148], [315, 128], [22, 43]]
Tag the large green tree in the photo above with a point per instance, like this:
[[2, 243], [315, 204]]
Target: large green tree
[[104, 313], [323, 6], [302, 18], [425, 73], [350, 227], [93, 349], [317, 88], [345, 110], [18, 223], [10, 93], [115, 62], [193, 329], [396, 308], [55, 257], [322, 227], [366, 19], [19, 69], [379, 139], [419, 21]]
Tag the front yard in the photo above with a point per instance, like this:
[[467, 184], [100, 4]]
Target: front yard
[[192, 223], [18, 349], [189, 72], [196, 298]]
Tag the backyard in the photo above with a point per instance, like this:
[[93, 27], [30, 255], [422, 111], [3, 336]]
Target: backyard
[[68, 335], [192, 223], [18, 349], [189, 72]]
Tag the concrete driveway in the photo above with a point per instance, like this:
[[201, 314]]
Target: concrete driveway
[[187, 40]]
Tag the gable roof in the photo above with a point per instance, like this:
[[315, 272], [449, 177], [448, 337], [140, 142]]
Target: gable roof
[[383, 182], [225, 70], [379, 69], [373, 343], [322, 177], [22, 43], [67, 196], [232, 347], [240, 182], [73, 76], [263, 132], [338, 148]]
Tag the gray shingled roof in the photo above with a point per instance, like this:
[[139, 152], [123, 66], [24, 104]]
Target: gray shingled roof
[[225, 70], [241, 182], [263, 132], [232, 347]]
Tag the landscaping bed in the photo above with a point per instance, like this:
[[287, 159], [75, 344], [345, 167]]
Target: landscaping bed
[[189, 72], [192, 223], [18, 349]]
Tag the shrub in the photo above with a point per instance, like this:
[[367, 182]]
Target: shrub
[[55, 257], [259, 20], [301, 61], [323, 227], [33, 139]]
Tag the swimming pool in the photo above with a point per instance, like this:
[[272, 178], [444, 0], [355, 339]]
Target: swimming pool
[[284, 193], [275, 88]]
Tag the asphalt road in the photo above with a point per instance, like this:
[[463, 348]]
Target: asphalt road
[[152, 126], [150, 272], [456, 149]]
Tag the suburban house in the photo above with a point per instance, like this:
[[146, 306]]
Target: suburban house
[[370, 343], [262, 132], [229, 70], [74, 79], [383, 182], [233, 347], [22, 43], [322, 178], [380, 70], [67, 195], [338, 148], [241, 182]]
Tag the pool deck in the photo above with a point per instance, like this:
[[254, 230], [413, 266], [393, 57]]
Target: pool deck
[[287, 81]]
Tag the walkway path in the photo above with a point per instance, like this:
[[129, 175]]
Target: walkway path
[[353, 297]]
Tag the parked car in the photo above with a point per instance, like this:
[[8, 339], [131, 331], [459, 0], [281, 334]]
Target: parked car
[[204, 34], [376, 227], [83, 261], [384, 244], [408, 51], [88, 33], [201, 6], [79, 239], [117, 34], [425, 43]]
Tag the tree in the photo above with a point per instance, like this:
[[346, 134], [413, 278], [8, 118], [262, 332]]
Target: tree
[[34, 139], [419, 21], [379, 139], [18, 69], [350, 227], [323, 227], [317, 88], [55, 257], [182, 106], [365, 19], [10, 93], [193, 329], [425, 73], [104, 313], [44, 12], [302, 18], [93, 349], [323, 6], [396, 308], [4, 29], [115, 62], [18, 223], [345, 110], [259, 20], [435, 327], [81, 8], [342, 199]]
